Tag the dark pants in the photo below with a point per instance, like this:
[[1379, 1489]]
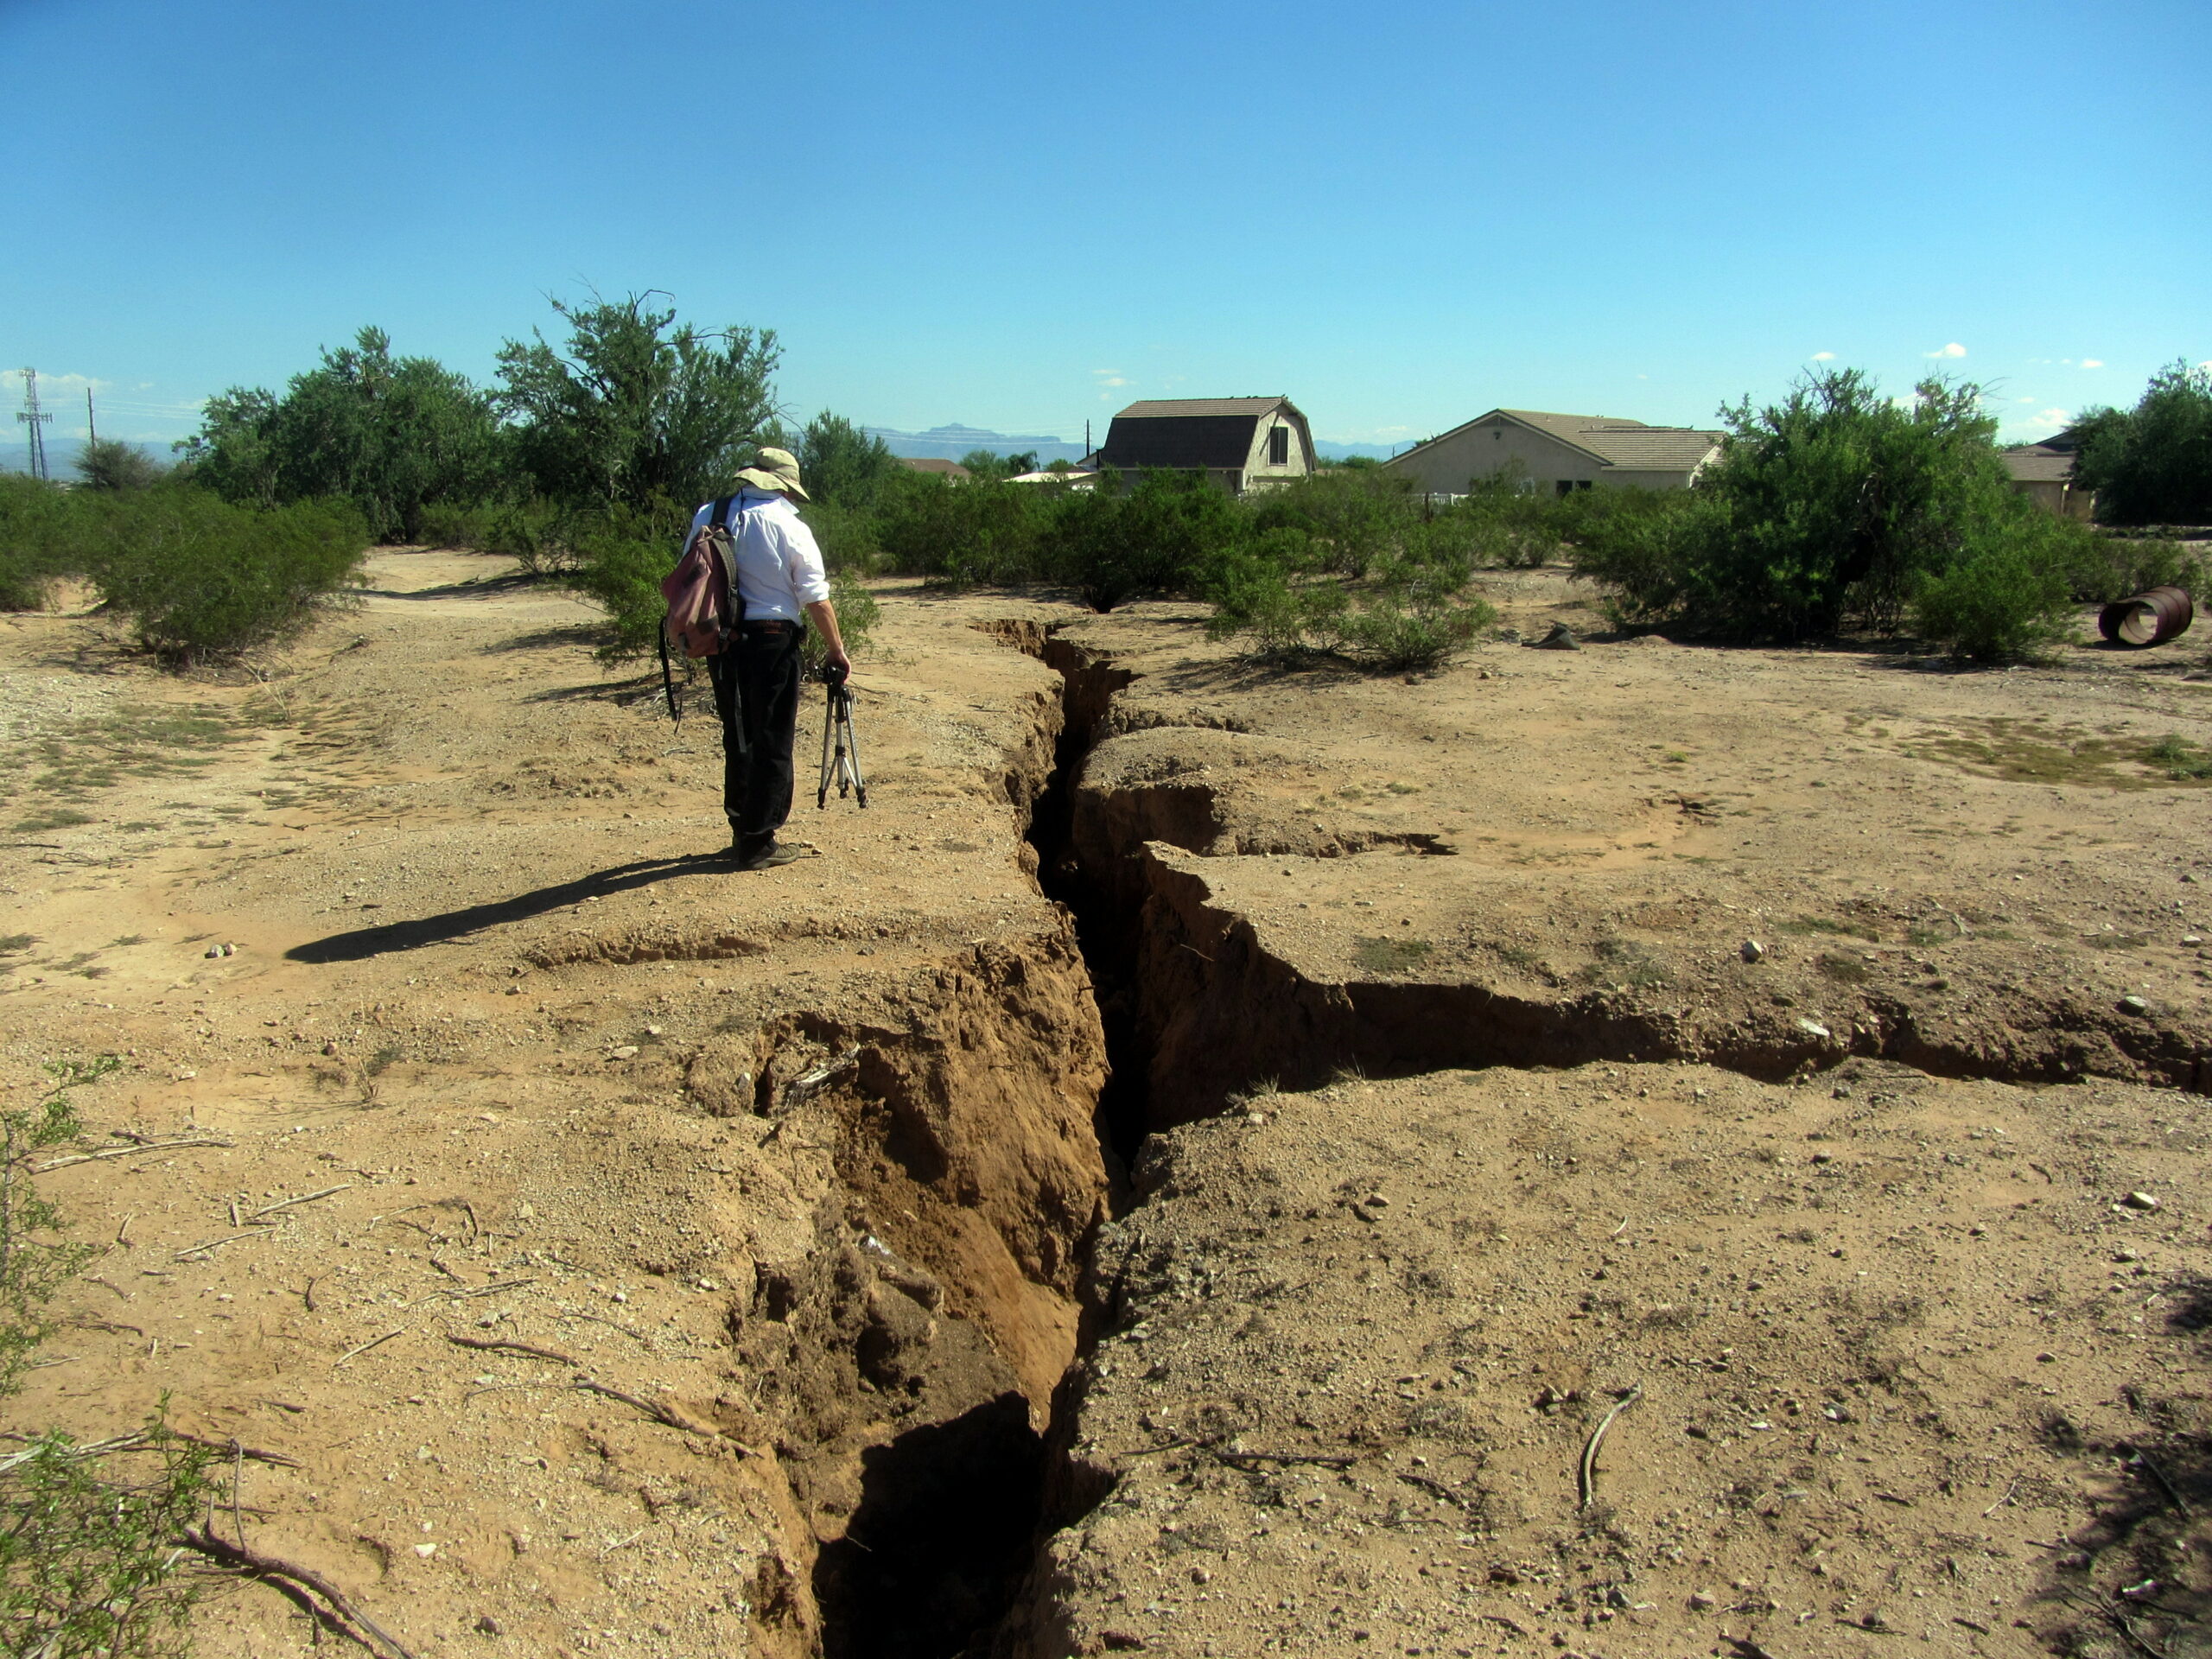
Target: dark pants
[[763, 663]]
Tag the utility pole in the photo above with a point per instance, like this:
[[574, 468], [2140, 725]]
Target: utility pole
[[92, 430], [30, 416]]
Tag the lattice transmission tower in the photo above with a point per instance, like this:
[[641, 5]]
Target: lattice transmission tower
[[32, 418]]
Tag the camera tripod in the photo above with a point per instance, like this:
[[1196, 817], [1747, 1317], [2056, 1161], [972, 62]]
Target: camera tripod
[[841, 758]]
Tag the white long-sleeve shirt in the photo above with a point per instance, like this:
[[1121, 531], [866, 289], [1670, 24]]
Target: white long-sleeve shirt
[[780, 570]]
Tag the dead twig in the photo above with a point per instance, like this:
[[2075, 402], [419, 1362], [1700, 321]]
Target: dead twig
[[2002, 1502], [505, 1345], [373, 1342], [208, 1246], [258, 1454], [1586, 1472], [304, 1198], [1437, 1487], [657, 1412], [238, 1478], [292, 1579], [2160, 1475], [1500, 1618], [127, 1152], [459, 1295], [1326, 1460]]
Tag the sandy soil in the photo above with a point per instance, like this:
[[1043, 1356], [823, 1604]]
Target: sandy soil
[[807, 1167]]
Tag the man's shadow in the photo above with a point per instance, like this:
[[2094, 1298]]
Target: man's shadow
[[363, 943]]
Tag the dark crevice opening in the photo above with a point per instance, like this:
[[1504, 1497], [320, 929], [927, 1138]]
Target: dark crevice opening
[[935, 1555], [1105, 936], [940, 1543]]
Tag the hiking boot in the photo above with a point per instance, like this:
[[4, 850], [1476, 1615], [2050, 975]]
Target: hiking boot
[[768, 857]]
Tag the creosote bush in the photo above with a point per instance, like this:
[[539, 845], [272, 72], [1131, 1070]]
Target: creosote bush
[[88, 1533]]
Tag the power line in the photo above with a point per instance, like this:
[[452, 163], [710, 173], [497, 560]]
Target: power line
[[32, 416]]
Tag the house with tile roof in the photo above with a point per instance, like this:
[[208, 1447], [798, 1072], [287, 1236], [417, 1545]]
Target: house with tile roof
[[1557, 453], [1241, 443], [2044, 474]]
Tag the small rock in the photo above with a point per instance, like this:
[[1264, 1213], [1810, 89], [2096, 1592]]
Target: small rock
[[2140, 1201], [526, 1211], [2192, 939], [1561, 638], [1703, 1602], [1813, 1027], [212, 951], [229, 949], [2134, 1005], [488, 1625], [2126, 1254], [1753, 950], [627, 1051], [330, 1047], [426, 1550], [653, 1031], [2046, 1359]]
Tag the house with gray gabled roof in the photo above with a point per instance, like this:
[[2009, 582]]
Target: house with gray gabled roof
[[1558, 453], [1241, 443]]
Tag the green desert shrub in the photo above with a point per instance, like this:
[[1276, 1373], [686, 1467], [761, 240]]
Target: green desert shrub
[[2102, 568], [1351, 516], [1270, 590], [1840, 505], [2004, 598], [1112, 545], [38, 540], [2152, 464], [89, 1562], [111, 464], [201, 578], [88, 1533], [962, 532]]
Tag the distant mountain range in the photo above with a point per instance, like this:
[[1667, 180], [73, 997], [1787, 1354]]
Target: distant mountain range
[[62, 457], [950, 442]]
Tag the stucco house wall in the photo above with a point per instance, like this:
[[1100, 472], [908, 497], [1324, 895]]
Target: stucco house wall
[[1593, 453], [1477, 452]]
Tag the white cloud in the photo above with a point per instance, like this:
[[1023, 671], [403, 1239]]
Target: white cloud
[[2052, 417], [1109, 376], [2067, 361], [1823, 356], [2093, 362], [51, 385], [1952, 350], [2023, 400]]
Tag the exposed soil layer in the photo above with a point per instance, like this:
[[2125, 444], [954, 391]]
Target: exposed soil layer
[[576, 1118], [653, 1258]]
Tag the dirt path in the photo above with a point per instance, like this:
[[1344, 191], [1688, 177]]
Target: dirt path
[[615, 1253]]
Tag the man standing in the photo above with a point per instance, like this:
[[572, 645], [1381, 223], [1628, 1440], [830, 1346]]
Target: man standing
[[781, 585]]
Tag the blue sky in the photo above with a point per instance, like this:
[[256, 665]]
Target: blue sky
[[1022, 216]]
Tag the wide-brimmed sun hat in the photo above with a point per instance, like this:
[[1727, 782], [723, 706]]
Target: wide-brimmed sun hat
[[776, 469]]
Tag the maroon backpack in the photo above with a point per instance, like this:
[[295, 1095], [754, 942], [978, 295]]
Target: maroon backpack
[[701, 597]]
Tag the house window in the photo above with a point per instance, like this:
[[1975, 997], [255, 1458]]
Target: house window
[[1568, 486], [1279, 447]]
